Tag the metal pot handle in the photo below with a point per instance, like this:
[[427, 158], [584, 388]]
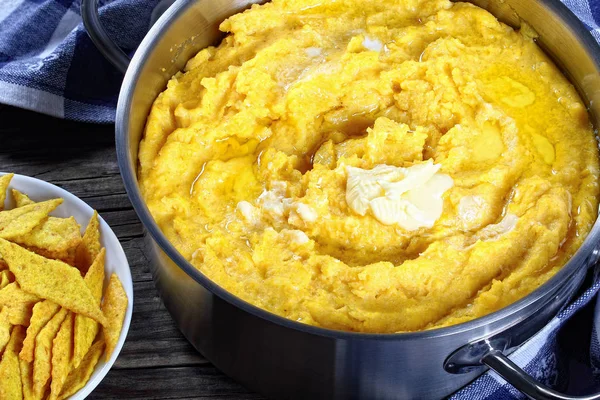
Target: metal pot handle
[[108, 48], [523, 382]]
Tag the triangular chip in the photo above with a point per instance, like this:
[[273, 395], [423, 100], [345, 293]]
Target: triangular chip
[[42, 313], [53, 238], [12, 294], [27, 379], [5, 278], [19, 303], [51, 279], [21, 199], [114, 307], [94, 278], [81, 375], [4, 328], [20, 221], [62, 352], [43, 351], [56, 238], [10, 373], [86, 329], [90, 245], [20, 313], [4, 182], [70, 259]]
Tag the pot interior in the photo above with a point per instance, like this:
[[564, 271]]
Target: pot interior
[[189, 26]]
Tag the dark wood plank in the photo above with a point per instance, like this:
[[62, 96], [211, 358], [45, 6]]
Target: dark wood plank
[[56, 150], [199, 382], [175, 352], [97, 186], [124, 223], [138, 261], [153, 339], [87, 165], [109, 202]]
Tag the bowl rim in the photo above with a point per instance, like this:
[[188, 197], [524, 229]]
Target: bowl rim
[[583, 256], [106, 233]]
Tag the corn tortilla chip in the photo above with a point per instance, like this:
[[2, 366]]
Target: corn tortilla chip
[[20, 221], [5, 278], [43, 353], [81, 375], [27, 379], [53, 238], [21, 199], [86, 329], [90, 245], [70, 259], [4, 182], [57, 238], [51, 279], [4, 328], [12, 294], [19, 303], [10, 372], [62, 352], [114, 307], [42, 314], [20, 314], [94, 278]]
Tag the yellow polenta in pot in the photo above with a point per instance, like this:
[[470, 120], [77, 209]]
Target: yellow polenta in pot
[[372, 166]]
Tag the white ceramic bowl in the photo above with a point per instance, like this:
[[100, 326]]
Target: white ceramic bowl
[[116, 261]]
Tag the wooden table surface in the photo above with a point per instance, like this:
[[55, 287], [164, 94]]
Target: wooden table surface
[[156, 362]]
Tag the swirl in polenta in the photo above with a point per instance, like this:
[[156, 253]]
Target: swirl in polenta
[[372, 166]]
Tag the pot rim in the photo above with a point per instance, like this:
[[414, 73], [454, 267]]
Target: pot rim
[[588, 250]]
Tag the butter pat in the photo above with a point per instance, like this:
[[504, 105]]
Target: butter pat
[[313, 52], [306, 212], [408, 197], [372, 44]]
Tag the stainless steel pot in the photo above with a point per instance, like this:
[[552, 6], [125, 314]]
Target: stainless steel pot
[[285, 359]]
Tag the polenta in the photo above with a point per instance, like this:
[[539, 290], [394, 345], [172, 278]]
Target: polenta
[[372, 166]]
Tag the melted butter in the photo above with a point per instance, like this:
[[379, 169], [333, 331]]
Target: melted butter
[[276, 205], [313, 52], [306, 212], [544, 147], [513, 93], [471, 209], [408, 197], [274, 201], [372, 44], [297, 236], [247, 210], [494, 231], [489, 145]]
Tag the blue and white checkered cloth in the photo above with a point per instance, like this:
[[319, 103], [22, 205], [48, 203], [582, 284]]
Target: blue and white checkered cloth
[[564, 355], [48, 64]]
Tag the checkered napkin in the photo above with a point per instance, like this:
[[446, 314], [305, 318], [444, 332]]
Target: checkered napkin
[[564, 355], [48, 64]]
